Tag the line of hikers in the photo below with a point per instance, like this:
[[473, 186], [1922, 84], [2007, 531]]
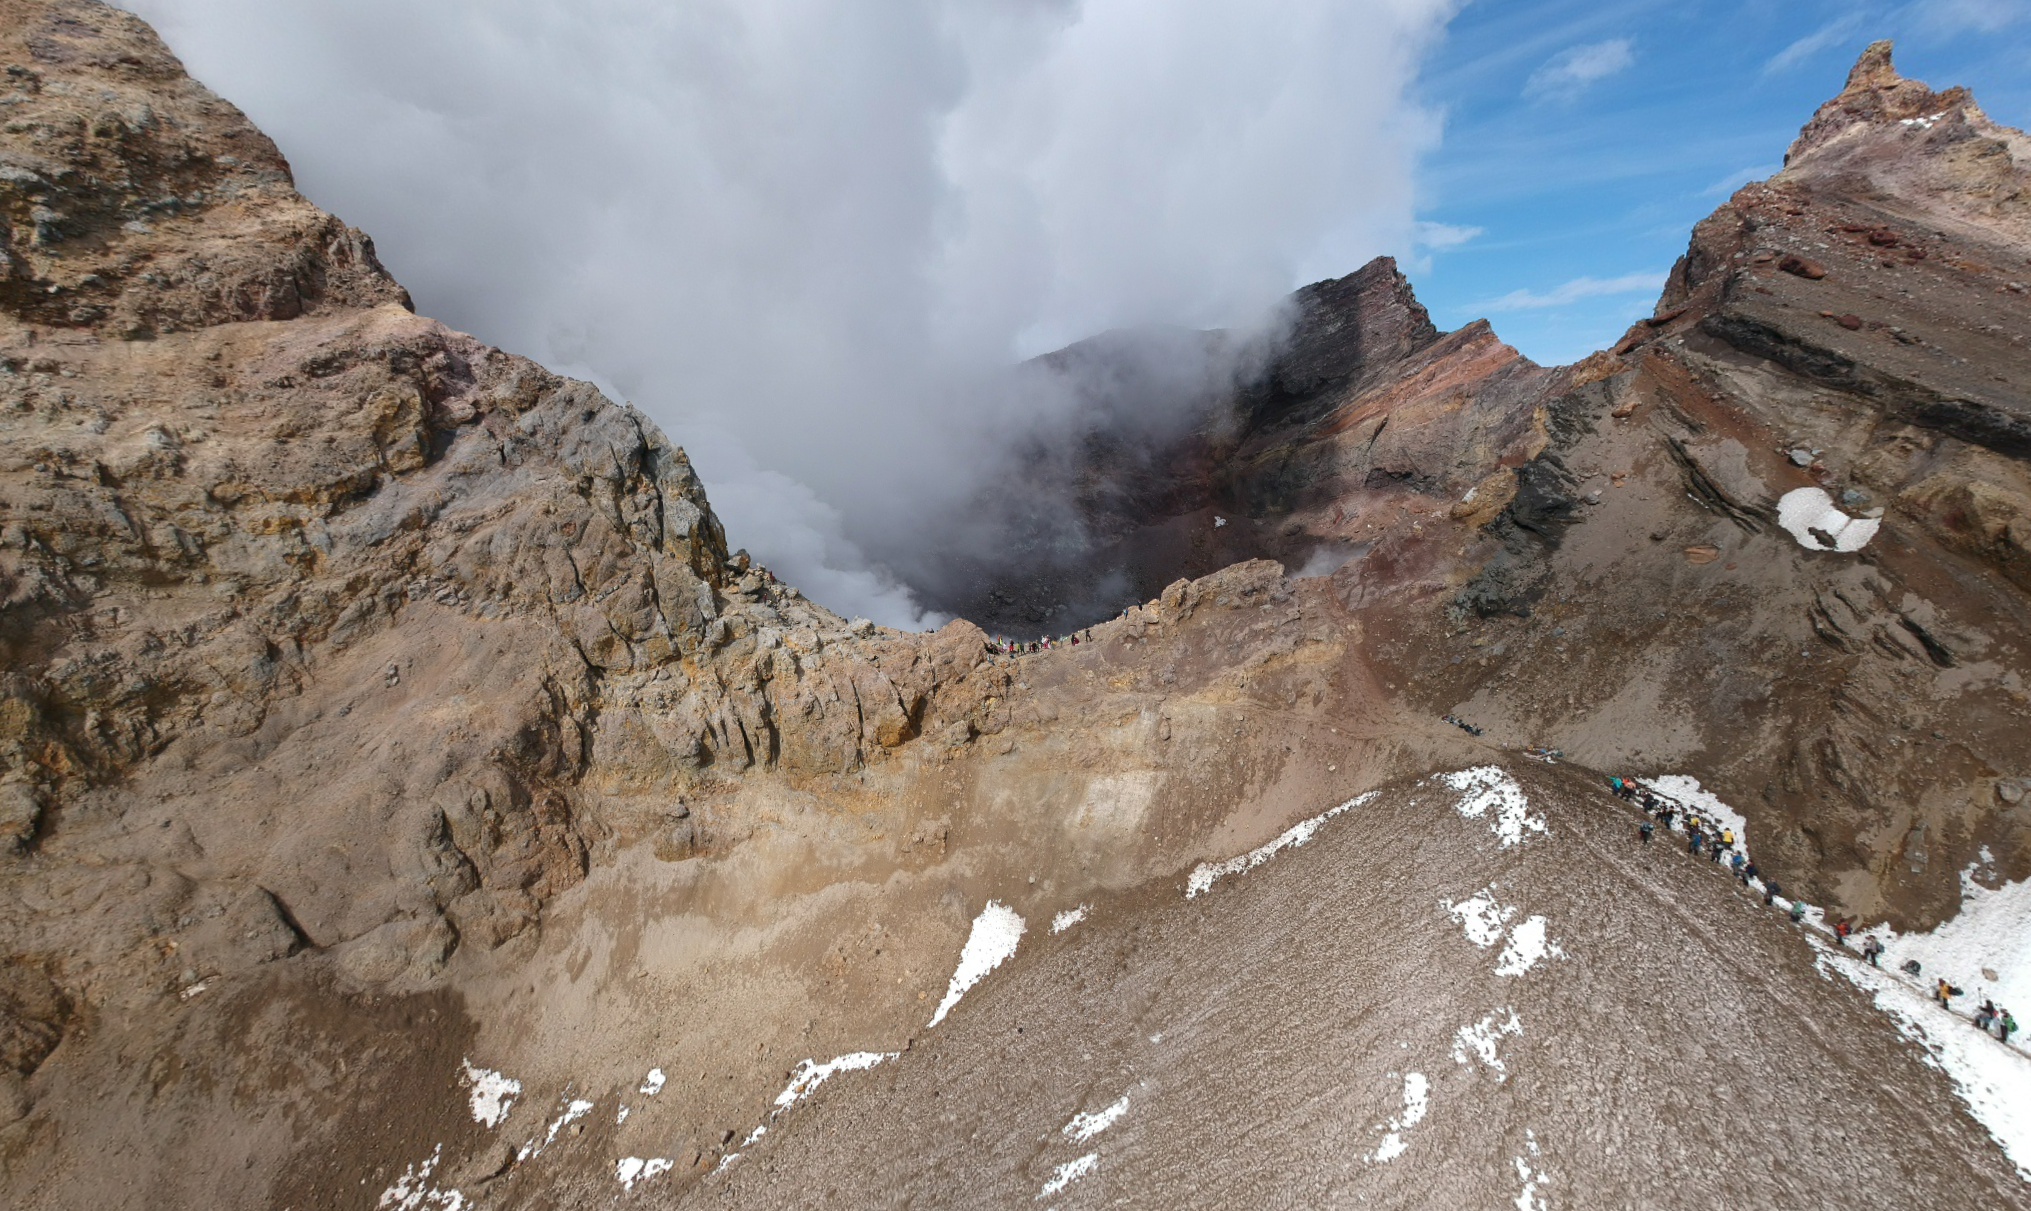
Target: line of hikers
[[1463, 725], [1717, 840], [1016, 647]]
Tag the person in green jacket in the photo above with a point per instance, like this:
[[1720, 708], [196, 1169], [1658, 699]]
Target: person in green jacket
[[1797, 911]]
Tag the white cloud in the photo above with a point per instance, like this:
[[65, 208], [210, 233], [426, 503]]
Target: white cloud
[[1577, 290], [1443, 237], [1942, 17], [803, 234], [1831, 34], [1571, 72], [1735, 180]]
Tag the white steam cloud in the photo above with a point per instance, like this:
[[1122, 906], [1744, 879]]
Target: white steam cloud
[[806, 235]]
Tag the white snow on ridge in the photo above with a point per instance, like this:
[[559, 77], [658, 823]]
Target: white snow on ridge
[[1416, 1102], [1528, 944], [804, 1082], [1067, 1173], [1479, 1041], [1687, 790], [810, 1074], [1084, 1127], [1486, 789], [995, 933], [1208, 873], [1992, 931], [1803, 510], [1067, 919], [493, 1095], [1992, 1079]]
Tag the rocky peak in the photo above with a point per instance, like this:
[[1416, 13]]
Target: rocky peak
[[1347, 328], [1876, 96]]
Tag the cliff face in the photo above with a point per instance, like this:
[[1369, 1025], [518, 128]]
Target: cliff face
[[384, 722]]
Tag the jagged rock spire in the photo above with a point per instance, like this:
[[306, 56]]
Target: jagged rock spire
[[1874, 70], [1875, 95]]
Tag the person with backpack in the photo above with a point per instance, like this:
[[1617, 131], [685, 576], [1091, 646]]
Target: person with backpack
[[1944, 994], [1727, 838], [1985, 1015], [1872, 950], [1747, 872], [1797, 912], [1770, 891], [1735, 864], [1692, 841], [2005, 1025], [1842, 928], [1644, 830], [1668, 815]]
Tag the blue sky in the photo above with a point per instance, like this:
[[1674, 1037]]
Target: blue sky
[[1583, 140]]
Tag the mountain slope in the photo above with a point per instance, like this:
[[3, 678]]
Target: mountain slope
[[1410, 1010]]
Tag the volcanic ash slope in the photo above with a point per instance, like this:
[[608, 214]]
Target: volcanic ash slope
[[1467, 990]]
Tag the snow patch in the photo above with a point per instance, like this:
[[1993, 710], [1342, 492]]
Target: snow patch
[[413, 1191], [1480, 917], [1992, 1079], [1069, 1172], [1803, 510], [1209, 873], [652, 1084], [1992, 931], [1486, 791], [1687, 790], [575, 1109], [1479, 1041], [810, 1074], [621, 1117], [631, 1169], [1067, 919], [995, 933], [1532, 1177], [1416, 1101], [1485, 920], [1084, 1127], [493, 1095], [804, 1081], [1529, 944]]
